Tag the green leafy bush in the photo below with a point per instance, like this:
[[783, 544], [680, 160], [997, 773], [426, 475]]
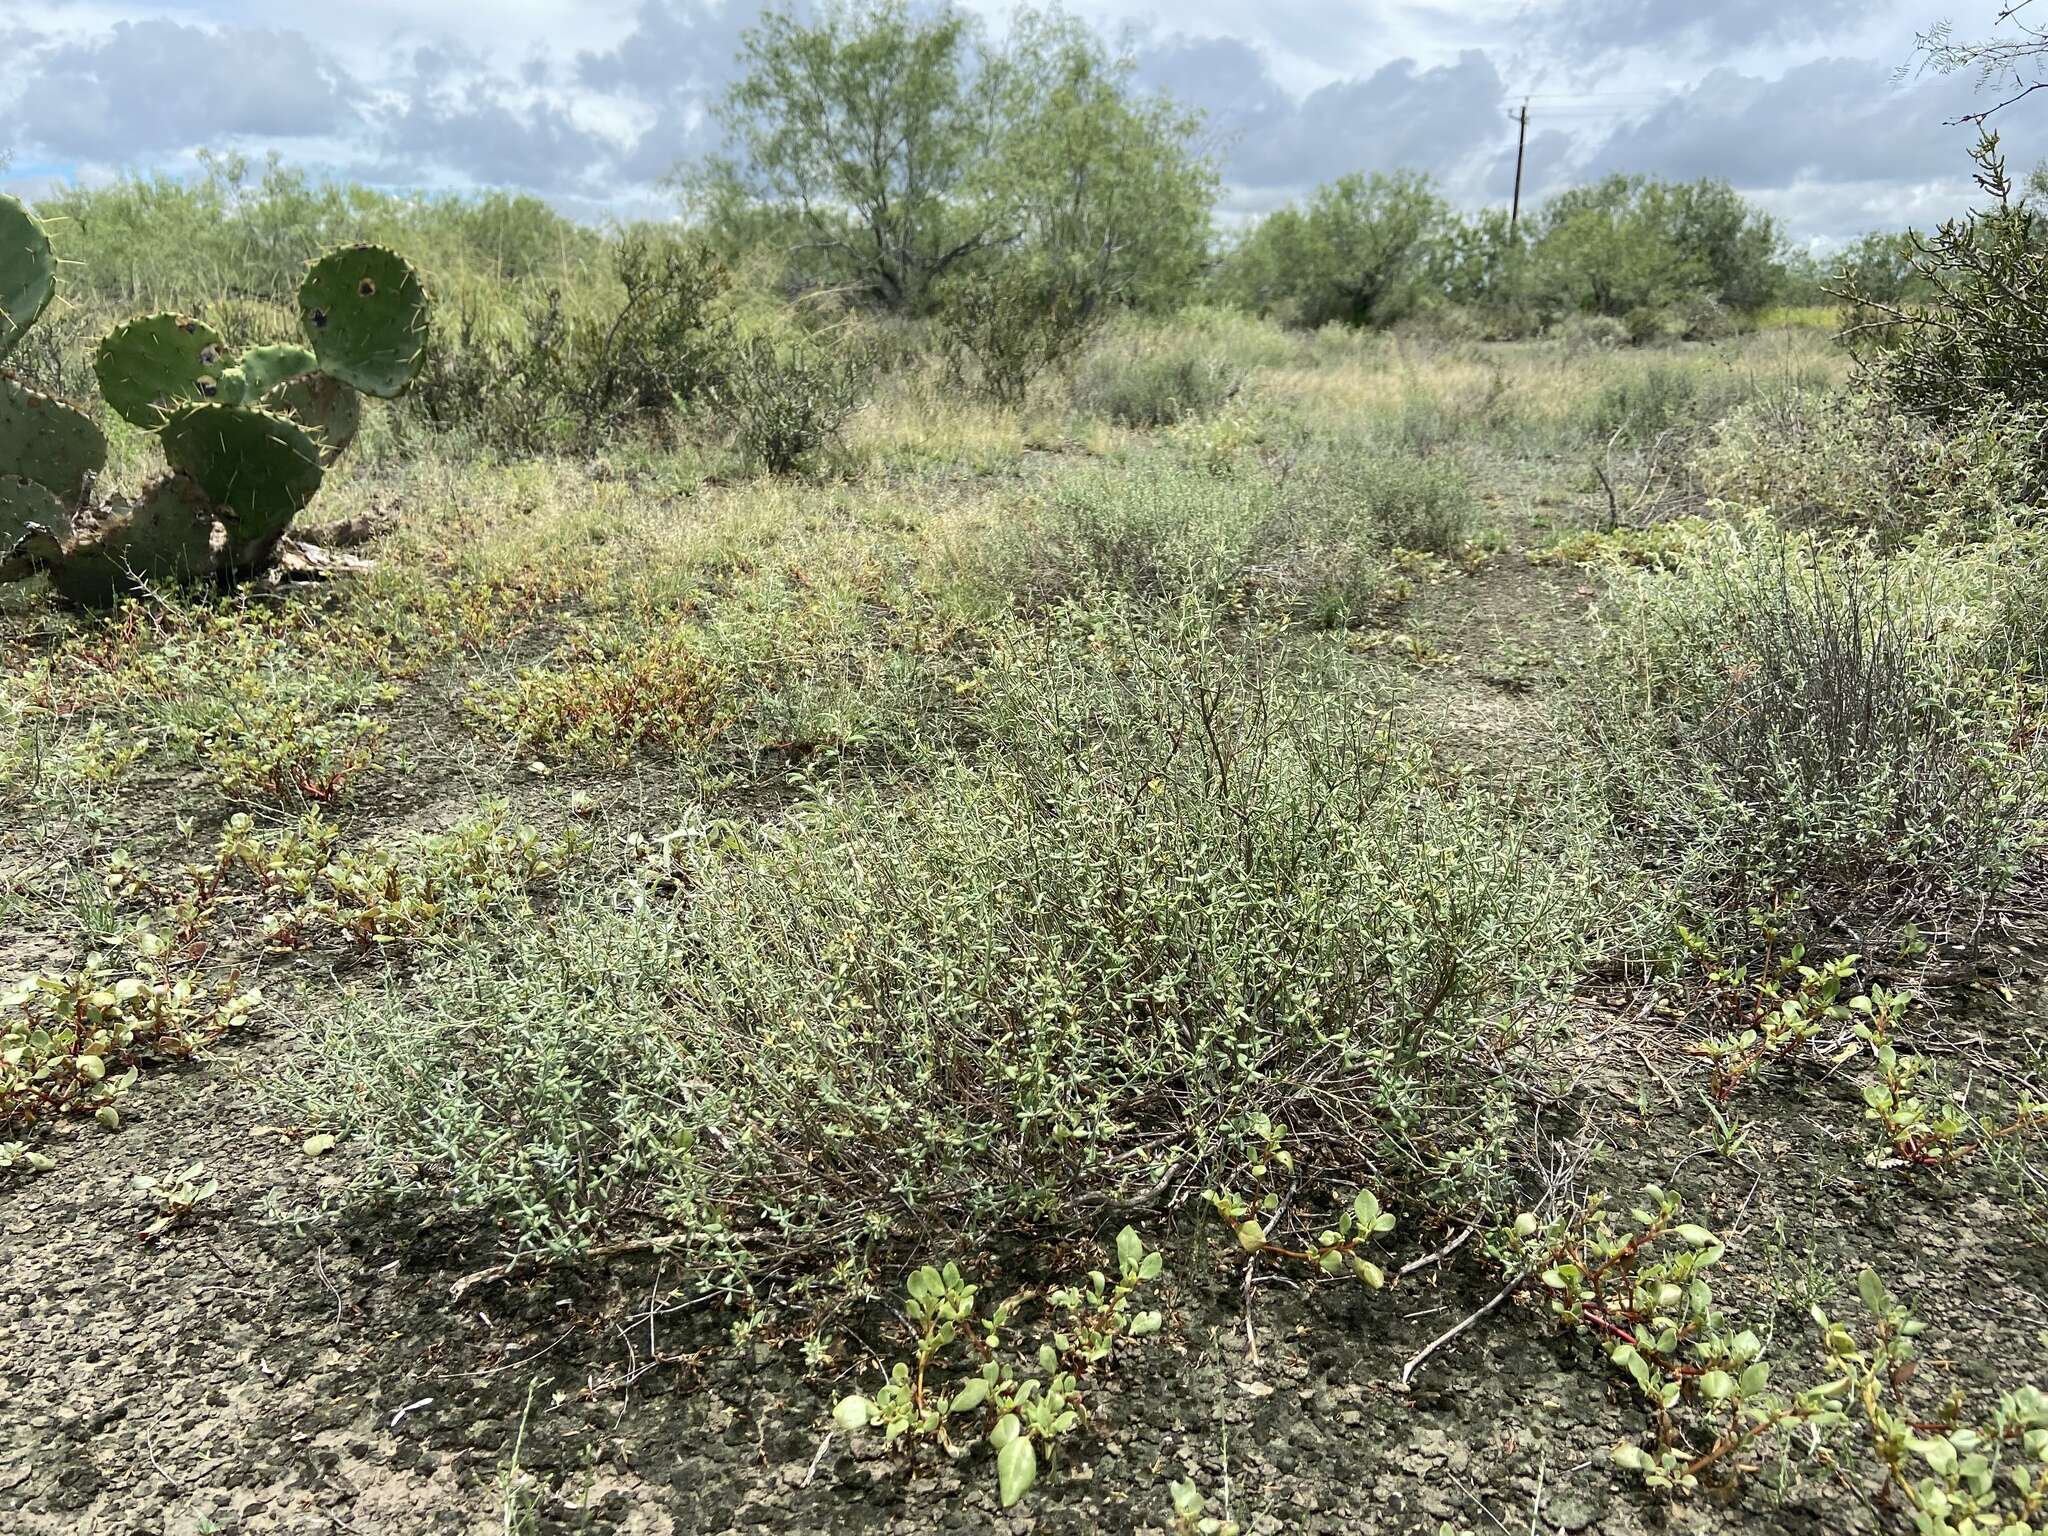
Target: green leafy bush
[[787, 404], [1155, 382], [1174, 893], [1783, 713], [1830, 461], [1364, 250]]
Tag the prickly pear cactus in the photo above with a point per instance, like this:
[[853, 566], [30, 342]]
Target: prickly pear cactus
[[150, 367], [366, 315], [248, 437], [165, 537], [259, 470], [32, 522], [327, 408], [46, 441], [28, 271], [262, 369]]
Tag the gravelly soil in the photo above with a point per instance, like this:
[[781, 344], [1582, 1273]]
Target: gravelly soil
[[241, 1375]]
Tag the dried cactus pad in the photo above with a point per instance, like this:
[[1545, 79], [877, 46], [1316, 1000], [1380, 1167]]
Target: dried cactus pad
[[262, 369], [46, 441], [327, 408], [163, 537], [33, 527], [259, 467], [28, 271], [365, 311], [150, 367]]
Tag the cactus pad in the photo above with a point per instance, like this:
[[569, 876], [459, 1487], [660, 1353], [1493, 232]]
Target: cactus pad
[[151, 366], [327, 408], [46, 441], [164, 537], [262, 369], [33, 527], [260, 468], [28, 271], [365, 312]]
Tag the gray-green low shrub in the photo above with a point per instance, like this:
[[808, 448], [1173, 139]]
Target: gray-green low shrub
[[1156, 381], [1407, 500], [1179, 891], [1832, 461], [1782, 716], [1159, 527]]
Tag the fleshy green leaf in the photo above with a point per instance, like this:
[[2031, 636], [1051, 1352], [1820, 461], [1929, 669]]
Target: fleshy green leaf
[[1016, 1469]]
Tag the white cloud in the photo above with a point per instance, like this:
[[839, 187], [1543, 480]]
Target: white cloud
[[591, 103]]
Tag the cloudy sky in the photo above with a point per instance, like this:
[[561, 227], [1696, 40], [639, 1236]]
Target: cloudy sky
[[1800, 103]]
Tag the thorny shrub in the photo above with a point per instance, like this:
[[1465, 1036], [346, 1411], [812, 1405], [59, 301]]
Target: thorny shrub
[[1976, 337], [785, 405], [1005, 327], [1406, 500], [562, 373]]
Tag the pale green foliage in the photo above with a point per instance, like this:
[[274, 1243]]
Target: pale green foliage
[[1825, 460], [1109, 196], [1363, 250], [1628, 245], [1778, 711], [1158, 528], [1423, 503], [1015, 1413], [1155, 381], [1664, 259], [165, 242], [940, 984]]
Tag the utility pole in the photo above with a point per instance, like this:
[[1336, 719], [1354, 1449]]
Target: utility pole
[[1521, 146]]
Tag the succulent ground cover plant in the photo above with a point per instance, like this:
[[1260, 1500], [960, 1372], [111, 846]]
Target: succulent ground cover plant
[[248, 436]]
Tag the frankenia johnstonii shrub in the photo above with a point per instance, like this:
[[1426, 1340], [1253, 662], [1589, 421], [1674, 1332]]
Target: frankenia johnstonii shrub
[[1177, 899], [248, 435]]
